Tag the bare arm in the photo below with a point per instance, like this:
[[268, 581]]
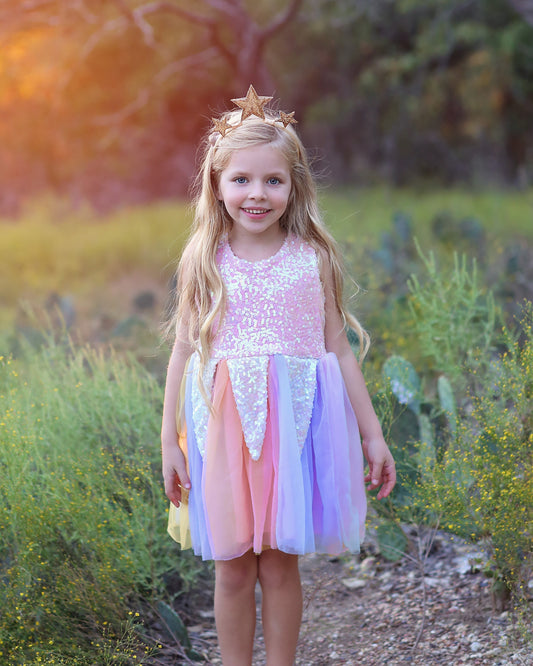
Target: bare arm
[[380, 461], [174, 465]]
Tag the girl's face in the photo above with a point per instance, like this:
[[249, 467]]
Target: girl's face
[[255, 188]]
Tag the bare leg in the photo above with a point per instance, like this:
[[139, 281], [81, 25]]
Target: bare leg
[[282, 605], [235, 608]]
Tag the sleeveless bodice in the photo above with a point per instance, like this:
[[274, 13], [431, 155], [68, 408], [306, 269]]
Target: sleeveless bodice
[[274, 306]]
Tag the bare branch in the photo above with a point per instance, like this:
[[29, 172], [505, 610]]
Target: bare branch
[[27, 11], [230, 8], [162, 6], [96, 36], [144, 95], [144, 27], [281, 20], [137, 16], [83, 10], [87, 48]]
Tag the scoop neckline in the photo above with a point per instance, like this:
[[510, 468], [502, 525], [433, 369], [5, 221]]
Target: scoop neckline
[[254, 262]]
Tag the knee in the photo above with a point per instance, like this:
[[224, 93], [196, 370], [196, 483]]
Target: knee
[[236, 575], [277, 569]]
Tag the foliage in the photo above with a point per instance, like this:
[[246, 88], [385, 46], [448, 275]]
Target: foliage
[[83, 542], [453, 344], [435, 91], [461, 432], [483, 486], [54, 248]]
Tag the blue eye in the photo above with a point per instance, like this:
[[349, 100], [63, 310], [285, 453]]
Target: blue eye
[[274, 181], [240, 180]]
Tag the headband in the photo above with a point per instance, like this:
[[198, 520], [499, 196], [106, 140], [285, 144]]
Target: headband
[[251, 105]]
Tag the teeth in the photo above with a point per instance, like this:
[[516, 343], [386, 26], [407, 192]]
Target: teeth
[[255, 210]]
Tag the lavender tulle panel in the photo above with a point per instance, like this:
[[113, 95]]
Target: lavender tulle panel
[[321, 494], [197, 518], [339, 506]]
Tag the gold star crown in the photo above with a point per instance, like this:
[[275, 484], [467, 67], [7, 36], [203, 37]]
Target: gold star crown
[[252, 105]]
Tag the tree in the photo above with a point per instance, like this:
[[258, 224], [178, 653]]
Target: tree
[[89, 87], [409, 89]]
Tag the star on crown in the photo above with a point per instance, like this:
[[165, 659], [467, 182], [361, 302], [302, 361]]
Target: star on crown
[[221, 126], [286, 119], [252, 105]]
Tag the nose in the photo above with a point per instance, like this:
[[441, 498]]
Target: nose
[[257, 191]]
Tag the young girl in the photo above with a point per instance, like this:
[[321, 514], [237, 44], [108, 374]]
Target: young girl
[[266, 458]]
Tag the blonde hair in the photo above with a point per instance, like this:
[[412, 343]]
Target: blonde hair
[[200, 290]]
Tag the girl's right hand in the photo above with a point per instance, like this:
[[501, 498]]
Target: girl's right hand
[[175, 473]]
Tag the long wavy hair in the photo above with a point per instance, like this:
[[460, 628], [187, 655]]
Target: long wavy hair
[[200, 299]]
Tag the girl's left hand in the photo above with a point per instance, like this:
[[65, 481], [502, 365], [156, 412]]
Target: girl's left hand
[[381, 467]]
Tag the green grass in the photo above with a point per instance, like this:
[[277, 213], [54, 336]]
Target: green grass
[[41, 253], [363, 215], [82, 510]]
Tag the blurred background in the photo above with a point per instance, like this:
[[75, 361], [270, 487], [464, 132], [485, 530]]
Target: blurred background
[[418, 117], [104, 102]]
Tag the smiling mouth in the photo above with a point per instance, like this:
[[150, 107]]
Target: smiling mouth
[[256, 211]]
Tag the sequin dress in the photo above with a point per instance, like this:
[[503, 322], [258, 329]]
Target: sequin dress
[[277, 462]]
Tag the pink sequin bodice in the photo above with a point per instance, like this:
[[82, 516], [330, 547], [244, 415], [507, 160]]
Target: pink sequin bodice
[[274, 306]]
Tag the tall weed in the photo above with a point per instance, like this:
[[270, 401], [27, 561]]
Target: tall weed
[[82, 518], [461, 428]]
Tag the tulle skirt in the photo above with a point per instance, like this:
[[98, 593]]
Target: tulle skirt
[[298, 501]]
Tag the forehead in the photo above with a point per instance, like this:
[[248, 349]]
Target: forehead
[[263, 157]]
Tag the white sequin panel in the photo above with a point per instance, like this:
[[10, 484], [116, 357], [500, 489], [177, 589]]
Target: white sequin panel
[[200, 408], [249, 378], [302, 378]]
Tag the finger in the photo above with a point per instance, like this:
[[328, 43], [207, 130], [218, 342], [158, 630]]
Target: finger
[[389, 473], [385, 490], [173, 489], [375, 474], [181, 469]]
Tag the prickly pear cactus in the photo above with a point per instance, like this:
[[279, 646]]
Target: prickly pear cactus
[[404, 382], [447, 402]]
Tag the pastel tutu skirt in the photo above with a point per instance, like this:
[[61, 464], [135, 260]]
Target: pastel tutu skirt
[[293, 499]]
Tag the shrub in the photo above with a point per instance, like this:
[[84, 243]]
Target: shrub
[[484, 483], [82, 518], [462, 432]]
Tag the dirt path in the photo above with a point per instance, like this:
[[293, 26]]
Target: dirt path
[[373, 612]]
